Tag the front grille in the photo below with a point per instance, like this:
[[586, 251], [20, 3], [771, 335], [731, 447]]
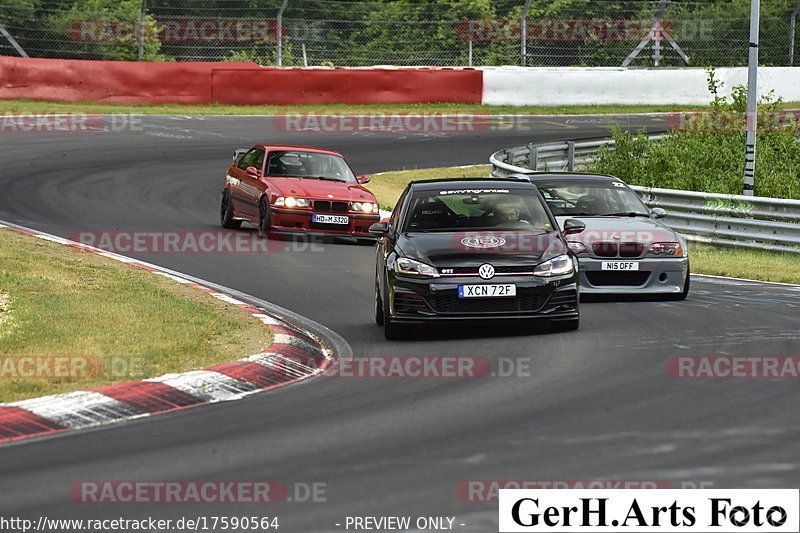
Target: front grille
[[410, 303], [529, 301], [565, 299], [600, 278], [631, 249], [326, 206], [497, 269], [605, 249], [612, 249]]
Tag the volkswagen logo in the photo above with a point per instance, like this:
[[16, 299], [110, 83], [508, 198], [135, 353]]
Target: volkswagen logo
[[483, 242], [486, 271]]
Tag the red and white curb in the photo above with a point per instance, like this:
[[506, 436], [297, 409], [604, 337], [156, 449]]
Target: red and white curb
[[295, 355]]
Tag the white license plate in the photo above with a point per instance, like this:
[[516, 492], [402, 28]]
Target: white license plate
[[486, 291], [330, 219], [620, 265]]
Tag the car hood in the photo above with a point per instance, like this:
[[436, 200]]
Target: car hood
[[627, 229], [322, 189], [465, 248]]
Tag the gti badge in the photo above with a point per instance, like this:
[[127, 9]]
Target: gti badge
[[486, 271], [483, 242]]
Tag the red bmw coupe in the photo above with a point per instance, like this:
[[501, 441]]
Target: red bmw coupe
[[295, 189]]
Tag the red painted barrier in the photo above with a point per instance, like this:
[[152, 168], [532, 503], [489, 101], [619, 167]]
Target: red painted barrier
[[119, 82], [347, 86], [229, 83]]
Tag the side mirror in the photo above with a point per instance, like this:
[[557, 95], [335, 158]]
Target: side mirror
[[379, 229], [239, 152], [573, 226], [657, 212], [363, 179]]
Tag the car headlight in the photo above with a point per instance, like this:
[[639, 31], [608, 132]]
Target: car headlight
[[409, 267], [290, 201], [576, 247], [666, 248], [366, 207], [557, 266]]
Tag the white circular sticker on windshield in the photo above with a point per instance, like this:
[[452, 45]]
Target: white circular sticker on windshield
[[483, 242]]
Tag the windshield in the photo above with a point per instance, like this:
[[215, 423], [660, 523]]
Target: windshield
[[476, 209], [300, 164], [591, 198]]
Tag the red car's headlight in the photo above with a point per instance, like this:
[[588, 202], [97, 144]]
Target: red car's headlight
[[290, 201], [364, 207]]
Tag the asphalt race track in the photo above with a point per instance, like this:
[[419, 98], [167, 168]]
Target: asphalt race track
[[598, 403]]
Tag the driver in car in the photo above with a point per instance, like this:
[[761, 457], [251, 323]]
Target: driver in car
[[508, 209]]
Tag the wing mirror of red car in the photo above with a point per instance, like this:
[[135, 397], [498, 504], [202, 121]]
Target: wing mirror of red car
[[379, 229], [253, 171], [573, 226], [364, 179]]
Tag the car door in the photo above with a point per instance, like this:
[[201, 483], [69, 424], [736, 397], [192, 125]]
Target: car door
[[386, 244], [247, 188]]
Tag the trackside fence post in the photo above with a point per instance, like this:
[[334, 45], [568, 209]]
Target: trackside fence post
[[533, 156], [570, 156]]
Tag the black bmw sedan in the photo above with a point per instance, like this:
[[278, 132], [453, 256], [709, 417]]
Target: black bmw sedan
[[474, 249]]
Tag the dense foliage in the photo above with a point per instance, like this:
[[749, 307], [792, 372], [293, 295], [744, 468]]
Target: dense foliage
[[346, 32], [706, 153]]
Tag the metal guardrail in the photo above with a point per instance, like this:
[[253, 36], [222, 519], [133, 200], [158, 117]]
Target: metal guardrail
[[721, 219], [559, 156]]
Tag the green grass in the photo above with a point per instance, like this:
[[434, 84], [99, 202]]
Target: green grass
[[387, 186], [747, 264], [35, 106], [119, 322], [762, 265]]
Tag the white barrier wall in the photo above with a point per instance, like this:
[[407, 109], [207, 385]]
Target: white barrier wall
[[612, 85]]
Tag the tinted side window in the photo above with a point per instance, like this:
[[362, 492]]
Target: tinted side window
[[253, 158], [394, 220]]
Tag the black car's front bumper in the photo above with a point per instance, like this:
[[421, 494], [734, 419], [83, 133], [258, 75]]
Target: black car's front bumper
[[422, 300]]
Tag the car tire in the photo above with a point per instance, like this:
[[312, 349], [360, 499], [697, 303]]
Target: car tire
[[263, 218], [391, 330], [378, 305], [366, 242], [226, 213], [685, 292], [565, 325]]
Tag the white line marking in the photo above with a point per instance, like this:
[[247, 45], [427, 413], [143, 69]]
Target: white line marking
[[206, 385], [78, 409]]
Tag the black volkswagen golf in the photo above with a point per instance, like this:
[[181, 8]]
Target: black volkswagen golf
[[474, 249]]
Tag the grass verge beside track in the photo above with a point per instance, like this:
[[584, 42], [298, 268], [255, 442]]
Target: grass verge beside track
[[705, 259], [387, 186], [39, 107], [747, 264], [72, 320]]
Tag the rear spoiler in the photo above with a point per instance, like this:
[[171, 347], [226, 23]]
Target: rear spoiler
[[239, 152]]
